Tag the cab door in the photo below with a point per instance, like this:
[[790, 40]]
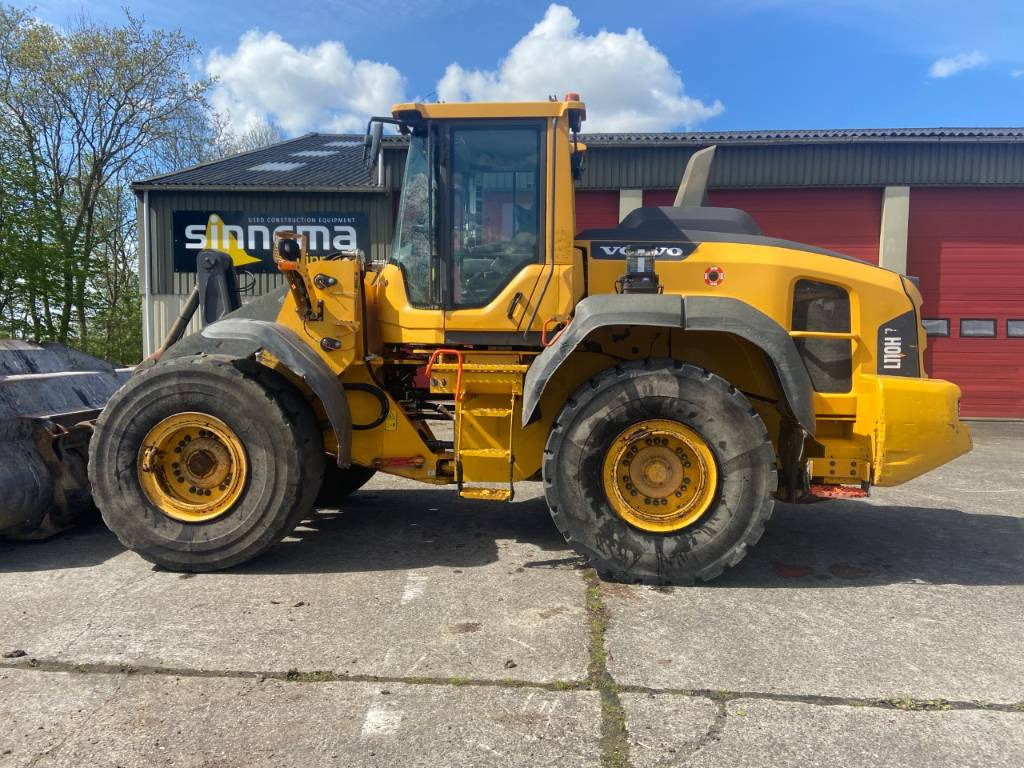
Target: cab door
[[497, 230]]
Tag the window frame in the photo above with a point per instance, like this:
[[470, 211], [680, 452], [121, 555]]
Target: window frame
[[1014, 320], [929, 334], [805, 346], [446, 228], [962, 335]]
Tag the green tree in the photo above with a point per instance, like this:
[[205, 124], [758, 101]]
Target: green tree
[[82, 110]]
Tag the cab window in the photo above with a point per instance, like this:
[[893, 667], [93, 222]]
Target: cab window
[[414, 232], [495, 208]]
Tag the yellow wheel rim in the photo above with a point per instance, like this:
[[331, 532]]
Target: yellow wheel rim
[[660, 475], [192, 467]]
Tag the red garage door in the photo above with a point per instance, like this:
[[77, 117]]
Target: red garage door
[[967, 246], [596, 209], [843, 220]]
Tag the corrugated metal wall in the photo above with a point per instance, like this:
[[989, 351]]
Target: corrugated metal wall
[[169, 289], [162, 205], [811, 165]]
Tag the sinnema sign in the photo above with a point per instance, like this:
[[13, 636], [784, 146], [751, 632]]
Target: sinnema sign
[[249, 237]]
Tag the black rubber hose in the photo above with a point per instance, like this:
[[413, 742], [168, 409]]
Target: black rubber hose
[[385, 406]]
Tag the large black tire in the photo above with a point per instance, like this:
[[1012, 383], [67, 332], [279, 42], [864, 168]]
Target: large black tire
[[340, 483], [659, 389], [273, 422]]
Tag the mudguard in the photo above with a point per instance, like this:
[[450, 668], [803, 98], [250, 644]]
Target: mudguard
[[693, 313], [285, 345]]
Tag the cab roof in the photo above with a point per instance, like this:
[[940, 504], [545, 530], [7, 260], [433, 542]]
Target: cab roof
[[488, 109]]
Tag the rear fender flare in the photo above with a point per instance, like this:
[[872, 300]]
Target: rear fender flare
[[285, 345], [692, 313]]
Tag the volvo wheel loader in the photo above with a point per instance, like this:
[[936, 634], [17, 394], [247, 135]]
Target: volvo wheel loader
[[667, 379]]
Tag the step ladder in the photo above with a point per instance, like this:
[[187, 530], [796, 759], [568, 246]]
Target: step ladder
[[469, 411], [487, 399]]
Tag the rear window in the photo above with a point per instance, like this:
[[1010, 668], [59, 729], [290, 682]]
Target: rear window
[[824, 307]]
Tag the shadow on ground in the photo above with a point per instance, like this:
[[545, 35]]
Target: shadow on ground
[[854, 543], [831, 544]]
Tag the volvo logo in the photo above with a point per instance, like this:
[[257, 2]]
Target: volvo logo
[[661, 250]]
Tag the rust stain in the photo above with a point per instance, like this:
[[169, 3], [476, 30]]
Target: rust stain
[[844, 571], [790, 571]]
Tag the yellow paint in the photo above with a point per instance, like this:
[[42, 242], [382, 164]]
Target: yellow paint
[[486, 110], [192, 467], [884, 430], [913, 425]]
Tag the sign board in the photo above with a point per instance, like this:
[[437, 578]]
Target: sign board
[[249, 237]]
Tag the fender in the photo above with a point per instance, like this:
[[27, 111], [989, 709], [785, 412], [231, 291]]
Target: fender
[[296, 356], [692, 313]]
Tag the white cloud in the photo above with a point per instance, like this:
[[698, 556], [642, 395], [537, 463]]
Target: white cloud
[[955, 64], [321, 88], [627, 83], [1017, 73]]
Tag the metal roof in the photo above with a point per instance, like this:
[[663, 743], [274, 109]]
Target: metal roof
[[329, 162], [812, 136], [317, 161]]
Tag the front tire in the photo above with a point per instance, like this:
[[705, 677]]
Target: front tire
[[659, 472], [202, 463], [341, 483]]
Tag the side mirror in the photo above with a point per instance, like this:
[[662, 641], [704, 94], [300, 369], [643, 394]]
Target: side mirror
[[371, 143], [579, 163], [578, 159]]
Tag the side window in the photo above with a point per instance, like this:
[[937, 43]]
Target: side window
[[824, 307], [495, 208], [414, 232]]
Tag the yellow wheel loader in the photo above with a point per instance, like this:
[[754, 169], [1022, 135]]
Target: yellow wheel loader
[[666, 379]]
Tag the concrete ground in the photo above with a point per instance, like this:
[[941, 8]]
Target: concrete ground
[[417, 629]]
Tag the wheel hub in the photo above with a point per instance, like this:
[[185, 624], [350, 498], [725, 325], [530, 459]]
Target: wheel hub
[[192, 467], [660, 475]]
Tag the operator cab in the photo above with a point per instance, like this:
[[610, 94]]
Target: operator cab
[[485, 218]]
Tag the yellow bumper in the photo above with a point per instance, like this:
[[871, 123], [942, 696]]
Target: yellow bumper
[[913, 425]]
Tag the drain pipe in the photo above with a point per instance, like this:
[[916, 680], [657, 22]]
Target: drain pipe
[[144, 277]]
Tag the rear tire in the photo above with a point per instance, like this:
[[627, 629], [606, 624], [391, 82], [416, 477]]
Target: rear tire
[[265, 416], [741, 480]]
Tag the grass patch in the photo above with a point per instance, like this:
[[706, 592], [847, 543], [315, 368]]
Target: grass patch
[[907, 704], [318, 676], [614, 745]]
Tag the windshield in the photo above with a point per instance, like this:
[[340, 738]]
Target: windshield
[[414, 231]]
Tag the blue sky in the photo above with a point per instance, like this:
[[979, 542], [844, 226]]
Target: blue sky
[[730, 64]]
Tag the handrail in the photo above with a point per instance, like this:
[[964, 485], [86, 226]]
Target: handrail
[[554, 319], [458, 379]]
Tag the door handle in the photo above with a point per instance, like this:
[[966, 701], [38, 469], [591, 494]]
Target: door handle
[[513, 304]]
